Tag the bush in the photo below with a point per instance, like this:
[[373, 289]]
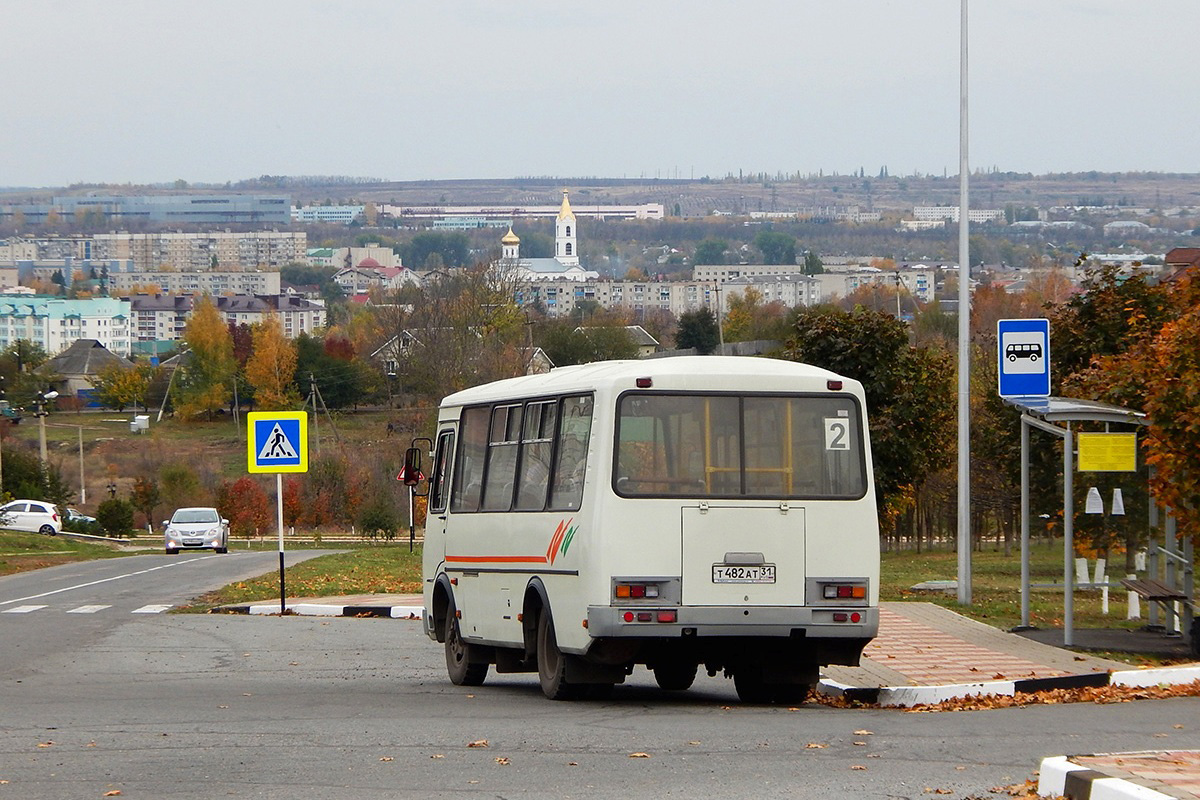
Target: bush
[[115, 517], [379, 518]]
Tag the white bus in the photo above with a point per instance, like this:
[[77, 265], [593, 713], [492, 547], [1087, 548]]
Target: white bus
[[677, 513]]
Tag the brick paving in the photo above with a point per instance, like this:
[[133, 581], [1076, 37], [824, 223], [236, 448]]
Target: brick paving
[[1172, 772]]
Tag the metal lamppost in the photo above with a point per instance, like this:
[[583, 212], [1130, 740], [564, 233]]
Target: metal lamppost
[[40, 401], [112, 488]]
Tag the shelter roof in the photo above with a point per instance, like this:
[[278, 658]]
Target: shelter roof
[[1070, 409]]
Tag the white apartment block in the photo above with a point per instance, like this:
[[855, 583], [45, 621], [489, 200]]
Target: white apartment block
[[214, 283], [560, 297], [790, 290], [55, 323], [728, 272], [920, 283], [950, 213], [197, 251], [165, 317]]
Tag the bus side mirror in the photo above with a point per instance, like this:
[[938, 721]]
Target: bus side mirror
[[412, 475]]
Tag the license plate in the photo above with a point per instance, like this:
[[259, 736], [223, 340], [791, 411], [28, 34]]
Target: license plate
[[731, 573]]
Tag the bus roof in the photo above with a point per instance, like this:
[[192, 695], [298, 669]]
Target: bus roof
[[700, 373]]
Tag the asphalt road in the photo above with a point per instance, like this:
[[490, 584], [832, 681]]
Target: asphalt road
[[205, 706]]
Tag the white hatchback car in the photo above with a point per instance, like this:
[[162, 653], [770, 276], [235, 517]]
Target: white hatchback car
[[36, 516], [196, 529]]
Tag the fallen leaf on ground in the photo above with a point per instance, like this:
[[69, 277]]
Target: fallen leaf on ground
[[859, 744], [386, 758], [437, 755], [815, 746], [502, 761], [864, 733], [936, 791], [859, 767], [478, 743], [693, 743], [639, 755], [45, 744], [572, 763], [113, 793]]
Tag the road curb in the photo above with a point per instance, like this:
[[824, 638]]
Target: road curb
[[1061, 777], [929, 695], [326, 610]]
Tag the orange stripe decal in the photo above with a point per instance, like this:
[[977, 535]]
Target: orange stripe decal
[[500, 559]]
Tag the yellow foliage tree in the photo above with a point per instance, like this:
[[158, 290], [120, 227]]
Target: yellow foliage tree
[[209, 370], [272, 367]]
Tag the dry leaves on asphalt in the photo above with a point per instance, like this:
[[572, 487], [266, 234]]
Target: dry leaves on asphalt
[[639, 755], [815, 746], [478, 743]]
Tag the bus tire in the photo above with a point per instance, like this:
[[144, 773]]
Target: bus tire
[[675, 676], [790, 694], [552, 662], [751, 688], [459, 666]]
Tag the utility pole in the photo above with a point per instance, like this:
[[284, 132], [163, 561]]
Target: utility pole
[[964, 334], [312, 395]]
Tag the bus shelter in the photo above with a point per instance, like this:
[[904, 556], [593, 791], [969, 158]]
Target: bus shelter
[[1056, 416]]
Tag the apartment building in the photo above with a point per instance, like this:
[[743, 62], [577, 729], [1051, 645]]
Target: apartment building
[[54, 323], [198, 251], [214, 282], [158, 317]]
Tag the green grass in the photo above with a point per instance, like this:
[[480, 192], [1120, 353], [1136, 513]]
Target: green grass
[[382, 569], [996, 587], [21, 552]]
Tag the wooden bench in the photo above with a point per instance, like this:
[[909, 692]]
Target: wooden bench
[[1152, 589]]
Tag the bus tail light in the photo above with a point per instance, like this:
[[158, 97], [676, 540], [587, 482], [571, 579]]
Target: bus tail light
[[842, 591], [668, 615], [635, 591]]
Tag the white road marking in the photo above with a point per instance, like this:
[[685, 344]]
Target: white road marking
[[87, 609], [106, 580], [21, 609], [151, 609]]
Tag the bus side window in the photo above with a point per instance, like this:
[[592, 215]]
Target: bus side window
[[441, 471], [574, 432], [468, 467], [537, 444]]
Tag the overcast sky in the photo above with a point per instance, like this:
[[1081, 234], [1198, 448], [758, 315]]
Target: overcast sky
[[217, 90]]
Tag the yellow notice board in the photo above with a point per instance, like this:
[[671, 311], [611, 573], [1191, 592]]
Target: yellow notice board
[[1107, 452]]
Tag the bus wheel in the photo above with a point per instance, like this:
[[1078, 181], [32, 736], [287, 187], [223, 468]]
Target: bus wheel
[[790, 694], [675, 676], [462, 671], [751, 688], [552, 663]]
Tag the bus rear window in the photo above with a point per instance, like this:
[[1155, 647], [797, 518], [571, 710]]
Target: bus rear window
[[753, 446]]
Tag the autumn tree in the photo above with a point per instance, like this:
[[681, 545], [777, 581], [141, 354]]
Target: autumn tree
[[120, 385], [145, 497], [272, 367], [244, 503], [750, 317], [463, 329], [207, 375]]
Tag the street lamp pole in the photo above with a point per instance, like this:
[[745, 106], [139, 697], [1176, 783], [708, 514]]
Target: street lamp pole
[[41, 400]]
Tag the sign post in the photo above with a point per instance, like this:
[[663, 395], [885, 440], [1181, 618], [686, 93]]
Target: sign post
[[277, 441]]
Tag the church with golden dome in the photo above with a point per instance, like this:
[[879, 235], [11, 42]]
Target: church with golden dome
[[564, 265]]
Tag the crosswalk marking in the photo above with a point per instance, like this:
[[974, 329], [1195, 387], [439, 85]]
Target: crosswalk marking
[[87, 609], [21, 609], [151, 609]]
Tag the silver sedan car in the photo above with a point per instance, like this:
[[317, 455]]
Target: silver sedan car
[[196, 529]]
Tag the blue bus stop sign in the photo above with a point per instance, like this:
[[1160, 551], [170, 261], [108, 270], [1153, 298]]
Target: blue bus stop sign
[[1023, 350]]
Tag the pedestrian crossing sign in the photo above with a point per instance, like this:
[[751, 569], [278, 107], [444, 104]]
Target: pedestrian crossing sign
[[277, 441]]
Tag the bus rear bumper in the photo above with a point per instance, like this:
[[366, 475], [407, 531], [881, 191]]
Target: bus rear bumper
[[609, 622]]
